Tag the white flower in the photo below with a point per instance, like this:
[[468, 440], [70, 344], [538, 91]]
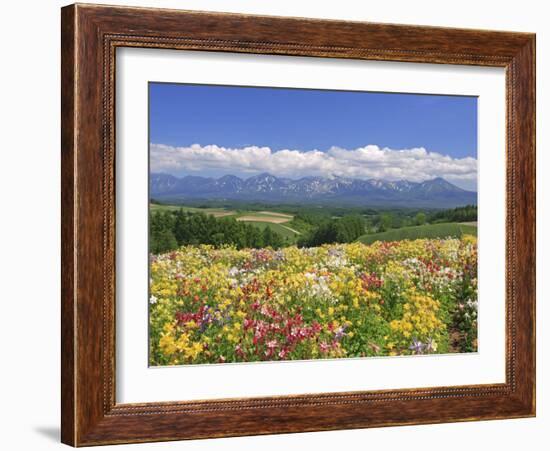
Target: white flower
[[336, 262], [153, 299]]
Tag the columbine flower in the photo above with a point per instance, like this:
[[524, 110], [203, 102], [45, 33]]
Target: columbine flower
[[294, 303], [431, 345], [339, 333], [417, 346]]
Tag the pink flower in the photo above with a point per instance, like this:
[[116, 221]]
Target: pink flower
[[239, 351]]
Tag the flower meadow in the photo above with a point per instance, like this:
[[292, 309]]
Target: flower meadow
[[351, 300]]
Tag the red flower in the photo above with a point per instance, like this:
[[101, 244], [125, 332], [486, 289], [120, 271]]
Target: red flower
[[283, 353], [239, 351]]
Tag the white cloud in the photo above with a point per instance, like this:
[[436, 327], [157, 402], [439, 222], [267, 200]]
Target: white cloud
[[415, 164]]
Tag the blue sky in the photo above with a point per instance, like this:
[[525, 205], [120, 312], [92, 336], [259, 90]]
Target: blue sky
[[232, 118]]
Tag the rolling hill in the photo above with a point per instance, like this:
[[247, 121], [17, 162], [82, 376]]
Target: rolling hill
[[444, 230]]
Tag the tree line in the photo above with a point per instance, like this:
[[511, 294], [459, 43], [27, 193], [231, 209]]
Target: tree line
[[468, 213], [169, 230], [397, 219], [340, 230]]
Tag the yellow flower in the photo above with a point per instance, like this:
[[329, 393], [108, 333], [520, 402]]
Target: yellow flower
[[193, 351], [346, 291], [167, 344]]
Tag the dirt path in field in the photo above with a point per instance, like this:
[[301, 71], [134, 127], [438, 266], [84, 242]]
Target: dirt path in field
[[271, 213], [263, 219], [471, 223], [292, 230]]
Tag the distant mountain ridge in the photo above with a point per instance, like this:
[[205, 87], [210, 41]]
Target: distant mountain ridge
[[436, 193]]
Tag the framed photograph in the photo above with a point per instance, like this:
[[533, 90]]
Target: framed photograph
[[279, 225]]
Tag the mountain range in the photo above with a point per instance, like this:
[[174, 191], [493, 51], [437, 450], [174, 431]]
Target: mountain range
[[435, 193]]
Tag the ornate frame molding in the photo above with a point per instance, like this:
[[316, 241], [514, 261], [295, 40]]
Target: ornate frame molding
[[91, 35]]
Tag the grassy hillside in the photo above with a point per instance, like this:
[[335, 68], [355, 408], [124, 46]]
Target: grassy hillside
[[217, 212], [279, 228], [452, 229]]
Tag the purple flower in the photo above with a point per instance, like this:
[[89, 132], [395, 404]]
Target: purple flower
[[339, 333], [417, 347]]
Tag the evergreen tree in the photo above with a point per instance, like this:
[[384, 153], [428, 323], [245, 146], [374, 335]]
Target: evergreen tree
[[420, 218], [386, 222], [267, 236], [163, 241]]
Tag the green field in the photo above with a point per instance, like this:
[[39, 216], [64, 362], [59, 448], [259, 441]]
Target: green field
[[444, 230], [278, 228], [218, 212]]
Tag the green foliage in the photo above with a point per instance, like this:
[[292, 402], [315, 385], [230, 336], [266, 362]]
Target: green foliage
[[467, 213], [424, 231], [279, 229], [171, 229], [342, 230], [386, 222], [420, 218], [161, 229], [311, 225], [350, 228], [164, 241]]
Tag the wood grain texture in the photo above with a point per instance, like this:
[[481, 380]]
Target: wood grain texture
[[68, 400], [90, 36]]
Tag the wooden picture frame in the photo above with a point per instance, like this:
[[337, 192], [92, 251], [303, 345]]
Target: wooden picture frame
[[90, 36]]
